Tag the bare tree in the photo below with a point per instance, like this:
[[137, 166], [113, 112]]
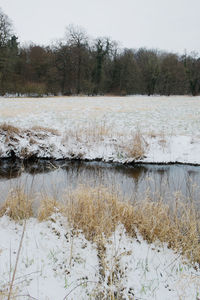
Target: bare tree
[[77, 40], [147, 61], [192, 68], [76, 36], [5, 29], [172, 77], [102, 48]]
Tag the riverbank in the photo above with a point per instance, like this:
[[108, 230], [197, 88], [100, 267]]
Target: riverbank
[[111, 129], [97, 143], [57, 263], [96, 246]]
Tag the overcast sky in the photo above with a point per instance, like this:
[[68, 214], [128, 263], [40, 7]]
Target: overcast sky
[[172, 25]]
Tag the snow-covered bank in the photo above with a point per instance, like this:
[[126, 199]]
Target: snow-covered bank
[[58, 263], [170, 149], [96, 145], [103, 128]]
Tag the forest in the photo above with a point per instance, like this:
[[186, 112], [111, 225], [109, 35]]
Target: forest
[[79, 65]]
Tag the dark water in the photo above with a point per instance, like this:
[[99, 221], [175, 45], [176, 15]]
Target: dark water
[[55, 178]]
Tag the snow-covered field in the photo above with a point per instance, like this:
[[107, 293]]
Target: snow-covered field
[[57, 263], [103, 127]]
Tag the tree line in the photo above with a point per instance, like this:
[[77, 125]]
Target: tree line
[[79, 65]]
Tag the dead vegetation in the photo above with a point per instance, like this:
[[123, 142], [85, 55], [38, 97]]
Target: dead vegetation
[[97, 212], [49, 206], [9, 129], [18, 205], [137, 147], [4, 292], [45, 130], [160, 136], [178, 226], [93, 210], [92, 132], [28, 143]]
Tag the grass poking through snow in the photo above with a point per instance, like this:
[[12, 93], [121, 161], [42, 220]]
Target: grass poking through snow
[[97, 212], [18, 205], [138, 146], [49, 206]]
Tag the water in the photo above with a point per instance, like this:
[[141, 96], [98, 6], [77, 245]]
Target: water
[[55, 178]]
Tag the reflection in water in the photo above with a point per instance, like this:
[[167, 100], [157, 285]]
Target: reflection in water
[[54, 178]]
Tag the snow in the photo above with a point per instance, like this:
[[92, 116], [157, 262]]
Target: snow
[[169, 125], [174, 115], [47, 269], [181, 149], [55, 261]]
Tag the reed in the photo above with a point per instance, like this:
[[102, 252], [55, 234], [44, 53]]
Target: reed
[[18, 205]]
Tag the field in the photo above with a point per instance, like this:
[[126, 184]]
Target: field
[[95, 244], [149, 129], [177, 115]]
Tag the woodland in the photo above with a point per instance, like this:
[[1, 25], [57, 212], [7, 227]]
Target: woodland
[[79, 65]]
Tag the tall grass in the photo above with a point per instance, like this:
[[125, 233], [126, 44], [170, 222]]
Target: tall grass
[[137, 147], [49, 206], [92, 132], [97, 211], [18, 205], [9, 129], [93, 210], [127, 145]]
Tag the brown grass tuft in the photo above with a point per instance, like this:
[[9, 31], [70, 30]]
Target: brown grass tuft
[[45, 129], [47, 207], [18, 205], [178, 226], [93, 210], [4, 292], [92, 132], [97, 211], [137, 148], [9, 129]]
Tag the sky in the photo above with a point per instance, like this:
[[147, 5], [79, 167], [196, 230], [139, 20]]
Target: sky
[[172, 25]]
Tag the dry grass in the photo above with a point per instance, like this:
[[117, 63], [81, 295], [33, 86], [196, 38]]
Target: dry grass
[[137, 148], [45, 129], [4, 293], [92, 132], [9, 129], [178, 226], [97, 212], [162, 143], [89, 135], [12, 130], [93, 210], [10, 295], [49, 206], [18, 205], [161, 137], [152, 134]]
